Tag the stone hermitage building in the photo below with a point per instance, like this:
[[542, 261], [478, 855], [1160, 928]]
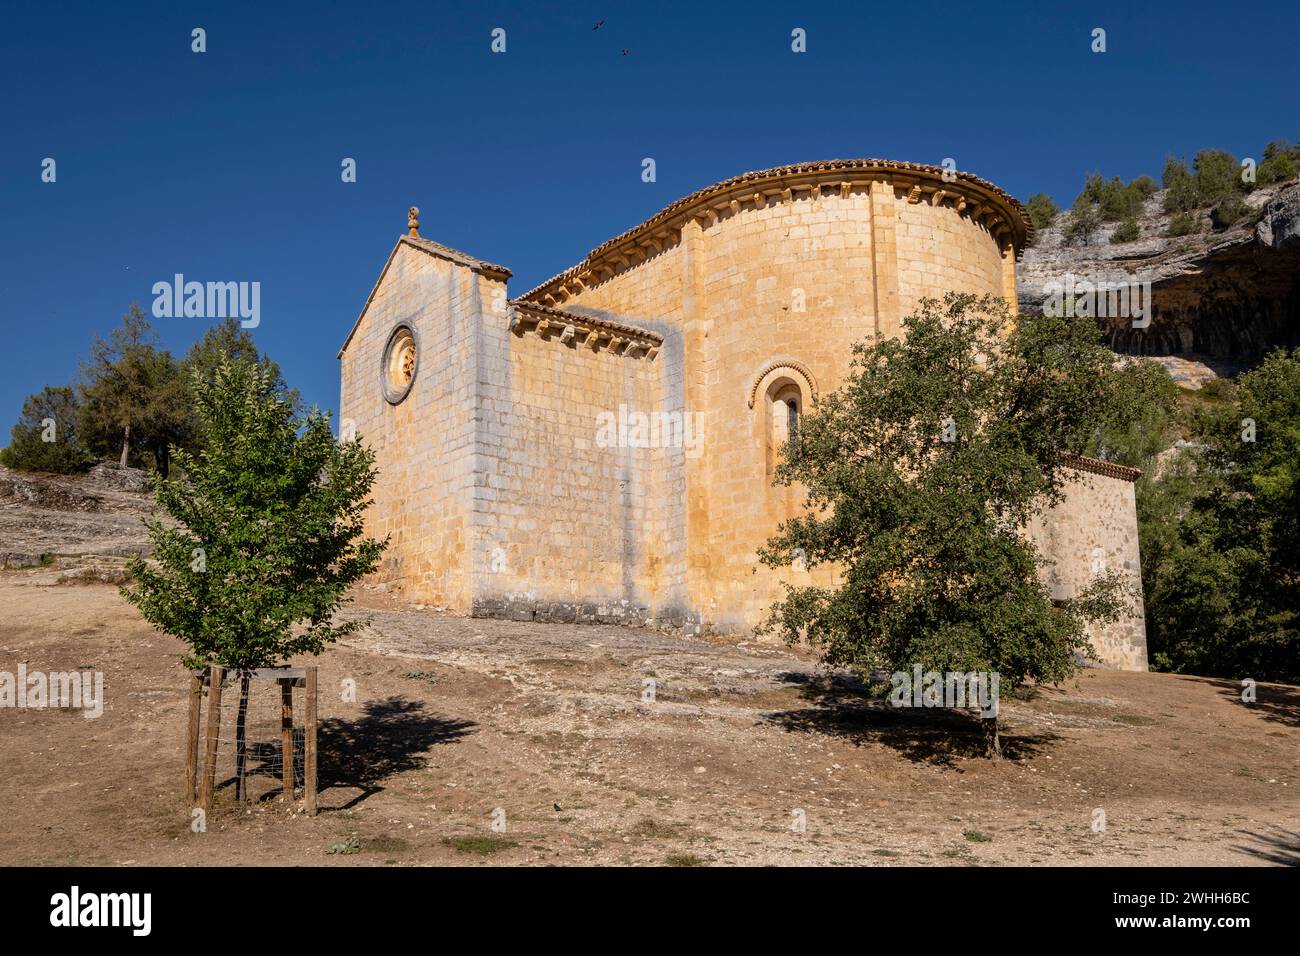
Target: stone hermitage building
[[601, 448]]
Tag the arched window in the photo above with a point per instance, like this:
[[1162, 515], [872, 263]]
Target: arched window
[[777, 394], [783, 405]]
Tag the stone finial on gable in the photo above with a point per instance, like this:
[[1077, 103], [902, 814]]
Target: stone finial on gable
[[413, 221]]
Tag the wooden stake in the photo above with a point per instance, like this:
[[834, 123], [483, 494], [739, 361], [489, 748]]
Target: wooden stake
[[286, 736], [309, 745], [216, 674], [192, 739], [241, 738]]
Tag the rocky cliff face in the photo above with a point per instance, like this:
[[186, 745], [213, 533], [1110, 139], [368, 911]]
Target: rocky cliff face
[[1220, 298]]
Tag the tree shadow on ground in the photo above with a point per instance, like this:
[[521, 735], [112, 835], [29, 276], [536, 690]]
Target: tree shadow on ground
[[852, 709], [1277, 703], [1276, 846], [390, 737]]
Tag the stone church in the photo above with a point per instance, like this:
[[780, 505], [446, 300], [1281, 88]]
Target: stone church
[[601, 447]]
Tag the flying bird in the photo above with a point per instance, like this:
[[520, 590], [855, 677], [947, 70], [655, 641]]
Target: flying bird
[[625, 52], [599, 24]]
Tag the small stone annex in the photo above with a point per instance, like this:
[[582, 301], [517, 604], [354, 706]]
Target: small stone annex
[[601, 448]]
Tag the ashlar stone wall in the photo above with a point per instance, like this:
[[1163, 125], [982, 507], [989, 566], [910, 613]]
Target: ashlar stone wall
[[739, 306]]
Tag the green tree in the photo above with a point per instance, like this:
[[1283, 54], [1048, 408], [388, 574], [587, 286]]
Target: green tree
[[1276, 169], [133, 395], [266, 533], [1118, 201], [1181, 194], [47, 435], [1042, 211], [1084, 221], [921, 473], [1144, 186], [1094, 189], [1138, 418], [1218, 176], [1225, 598], [226, 341]]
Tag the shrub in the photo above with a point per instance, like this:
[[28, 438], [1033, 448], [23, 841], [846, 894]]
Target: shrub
[[1183, 224], [1145, 186], [1126, 231], [1276, 169], [1233, 209]]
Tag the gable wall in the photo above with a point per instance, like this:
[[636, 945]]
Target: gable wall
[[424, 445]]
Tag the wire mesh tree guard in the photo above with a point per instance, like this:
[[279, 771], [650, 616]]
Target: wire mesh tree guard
[[250, 740]]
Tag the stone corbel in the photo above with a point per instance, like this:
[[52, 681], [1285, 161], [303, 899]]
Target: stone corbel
[[845, 188], [759, 200], [936, 199], [914, 195], [568, 333], [787, 194], [593, 339]]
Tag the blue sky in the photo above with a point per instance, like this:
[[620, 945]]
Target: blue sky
[[226, 165]]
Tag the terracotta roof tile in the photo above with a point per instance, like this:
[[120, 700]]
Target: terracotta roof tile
[[777, 173], [588, 320], [1099, 467], [456, 256]]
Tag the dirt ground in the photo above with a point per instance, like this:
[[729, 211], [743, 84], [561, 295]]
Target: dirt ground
[[455, 718]]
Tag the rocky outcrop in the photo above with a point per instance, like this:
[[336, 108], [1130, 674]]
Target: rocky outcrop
[[1220, 298], [108, 474]]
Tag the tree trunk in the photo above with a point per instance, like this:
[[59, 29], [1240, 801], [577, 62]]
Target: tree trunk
[[992, 742], [126, 444], [241, 739]]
